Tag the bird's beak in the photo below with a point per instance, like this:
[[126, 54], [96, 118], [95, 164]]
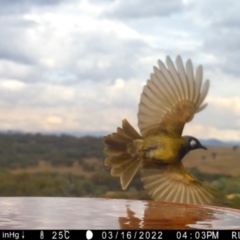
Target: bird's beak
[[203, 147]]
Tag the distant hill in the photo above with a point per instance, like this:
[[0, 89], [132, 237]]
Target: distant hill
[[58, 133], [215, 142], [79, 134]]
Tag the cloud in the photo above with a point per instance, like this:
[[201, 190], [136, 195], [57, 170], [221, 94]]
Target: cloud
[[21, 6], [219, 25], [14, 39], [57, 47], [226, 45], [221, 113], [220, 120], [76, 107], [206, 132], [97, 61], [143, 9]]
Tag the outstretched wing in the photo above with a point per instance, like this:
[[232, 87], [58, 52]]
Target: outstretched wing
[[172, 183], [171, 97]]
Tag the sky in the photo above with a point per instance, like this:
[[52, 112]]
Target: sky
[[75, 66]]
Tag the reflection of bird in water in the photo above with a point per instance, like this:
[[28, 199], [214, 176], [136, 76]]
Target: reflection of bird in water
[[169, 100], [171, 216]]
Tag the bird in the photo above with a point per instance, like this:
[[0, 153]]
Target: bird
[[171, 97]]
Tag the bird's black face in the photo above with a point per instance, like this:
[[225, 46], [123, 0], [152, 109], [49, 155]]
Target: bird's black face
[[193, 143]]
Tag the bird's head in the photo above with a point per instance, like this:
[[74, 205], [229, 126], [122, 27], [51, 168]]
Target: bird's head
[[191, 143]]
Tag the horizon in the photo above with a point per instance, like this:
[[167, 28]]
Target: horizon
[[96, 134]]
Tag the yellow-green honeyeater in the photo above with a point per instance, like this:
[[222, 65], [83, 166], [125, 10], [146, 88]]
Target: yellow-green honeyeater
[[169, 100]]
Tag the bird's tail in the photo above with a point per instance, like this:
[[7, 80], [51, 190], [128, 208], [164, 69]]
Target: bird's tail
[[121, 151]]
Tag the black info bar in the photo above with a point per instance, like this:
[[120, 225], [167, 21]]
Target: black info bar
[[120, 234]]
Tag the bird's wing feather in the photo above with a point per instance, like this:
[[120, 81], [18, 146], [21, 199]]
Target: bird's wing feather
[[172, 183], [171, 97]]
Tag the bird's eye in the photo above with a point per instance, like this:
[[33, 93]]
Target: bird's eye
[[193, 143]]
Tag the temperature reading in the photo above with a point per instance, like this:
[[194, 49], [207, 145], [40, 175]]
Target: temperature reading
[[41, 235], [60, 235]]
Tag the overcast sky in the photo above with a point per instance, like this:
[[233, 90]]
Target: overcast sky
[[80, 65]]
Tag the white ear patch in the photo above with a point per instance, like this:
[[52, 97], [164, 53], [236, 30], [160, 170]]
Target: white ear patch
[[193, 143]]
